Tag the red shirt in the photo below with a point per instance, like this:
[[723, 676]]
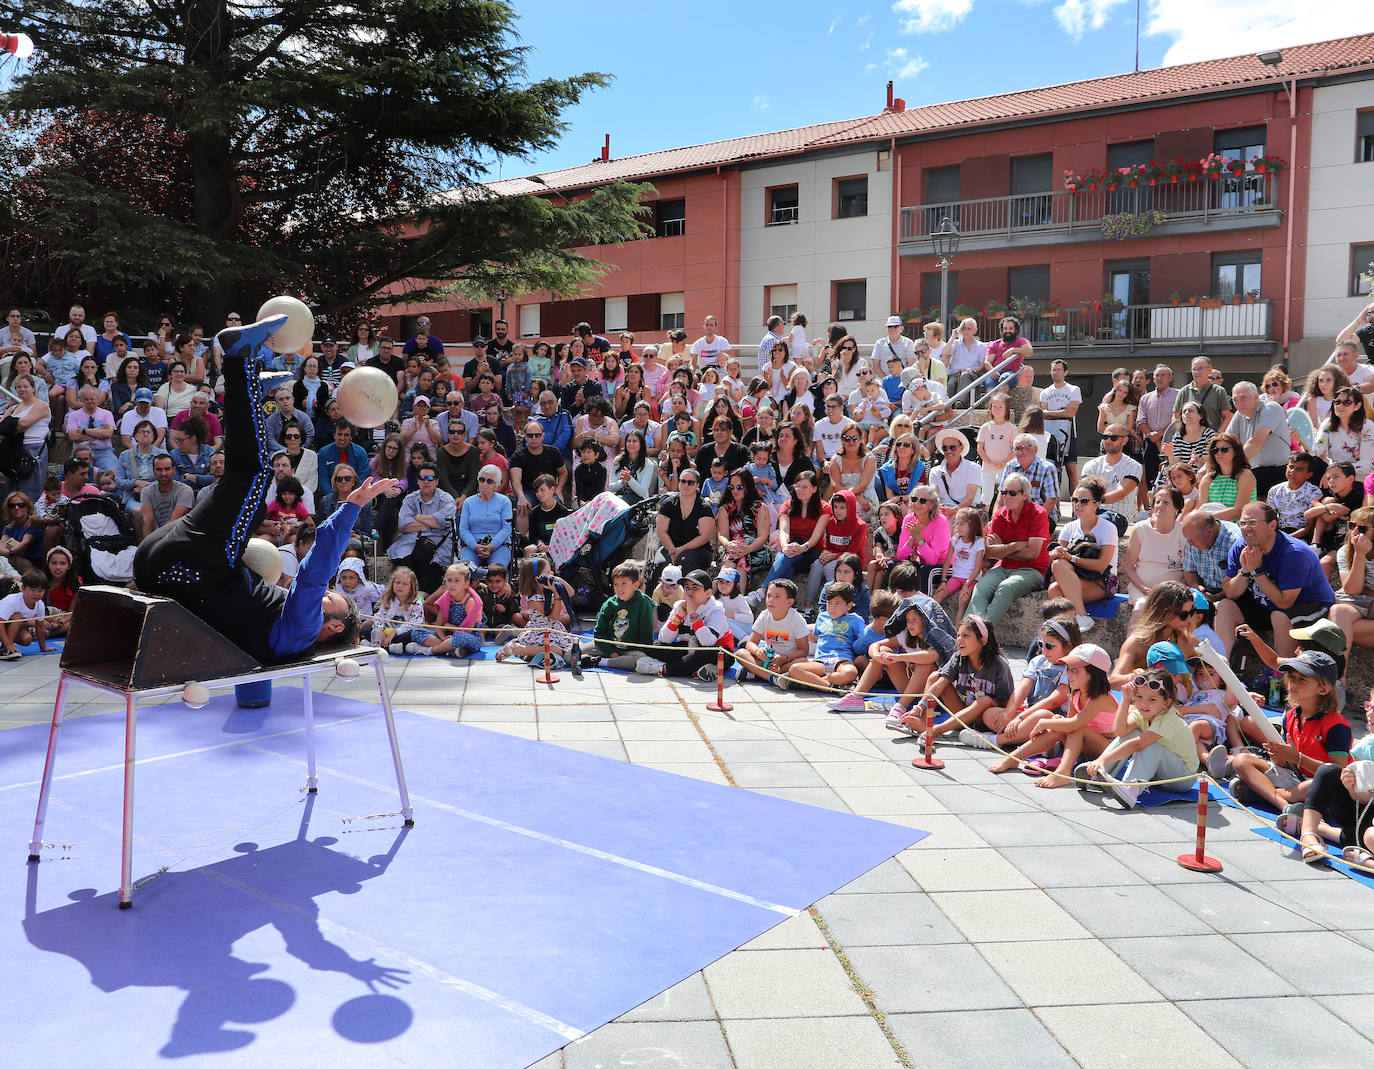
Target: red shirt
[[1033, 522], [1319, 737], [801, 528]]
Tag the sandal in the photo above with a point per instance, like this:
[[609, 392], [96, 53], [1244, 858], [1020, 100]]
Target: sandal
[[1358, 855], [1313, 851], [1289, 824]]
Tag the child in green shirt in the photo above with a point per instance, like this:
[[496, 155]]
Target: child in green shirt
[[626, 616]]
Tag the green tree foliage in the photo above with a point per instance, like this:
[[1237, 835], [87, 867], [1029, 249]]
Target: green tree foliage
[[210, 153]]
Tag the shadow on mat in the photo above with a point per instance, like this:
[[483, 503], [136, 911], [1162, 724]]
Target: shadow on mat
[[184, 925]]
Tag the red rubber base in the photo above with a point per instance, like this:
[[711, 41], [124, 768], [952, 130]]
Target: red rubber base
[[720, 707], [1191, 862], [925, 762], [548, 679]]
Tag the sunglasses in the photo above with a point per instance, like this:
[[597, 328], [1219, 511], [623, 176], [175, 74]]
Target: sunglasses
[[231, 319], [849, 349], [345, 478], [950, 449], [1012, 493], [1081, 500], [428, 478], [534, 434], [1221, 449], [686, 482], [491, 482], [850, 437], [1112, 437], [1343, 401], [1156, 685]]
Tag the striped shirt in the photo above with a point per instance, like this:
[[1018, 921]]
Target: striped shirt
[[1210, 566]]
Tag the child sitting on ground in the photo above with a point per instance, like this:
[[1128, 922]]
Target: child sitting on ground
[[691, 636], [728, 592], [500, 605], [1210, 710], [881, 606], [837, 630], [354, 585], [668, 593], [1152, 741], [546, 619], [400, 610], [456, 605], [1087, 729], [977, 678], [627, 616], [780, 634], [849, 569], [24, 615], [1041, 692], [61, 591], [917, 638]]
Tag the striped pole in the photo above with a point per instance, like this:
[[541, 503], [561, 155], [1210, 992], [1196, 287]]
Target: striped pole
[[549, 677], [1198, 861], [720, 705]]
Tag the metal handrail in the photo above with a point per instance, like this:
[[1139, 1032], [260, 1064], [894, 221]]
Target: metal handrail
[[930, 416]]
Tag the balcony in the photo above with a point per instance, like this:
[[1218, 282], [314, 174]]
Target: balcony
[[1234, 202], [1162, 330]]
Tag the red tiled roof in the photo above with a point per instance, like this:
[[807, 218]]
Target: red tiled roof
[[1138, 87]]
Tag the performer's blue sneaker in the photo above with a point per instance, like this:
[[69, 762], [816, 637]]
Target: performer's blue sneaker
[[244, 341]]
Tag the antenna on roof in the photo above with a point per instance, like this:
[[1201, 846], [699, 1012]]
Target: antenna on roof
[[1137, 36]]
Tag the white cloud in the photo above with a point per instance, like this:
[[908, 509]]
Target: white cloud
[[912, 67], [833, 23], [899, 63], [863, 20], [1079, 16], [866, 42], [1209, 29], [931, 16], [761, 103]]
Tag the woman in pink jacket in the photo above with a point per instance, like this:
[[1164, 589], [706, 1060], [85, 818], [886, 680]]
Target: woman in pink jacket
[[925, 537]]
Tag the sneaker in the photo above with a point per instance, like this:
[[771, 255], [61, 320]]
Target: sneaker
[[1125, 792], [1239, 791], [975, 739], [894, 721], [1219, 764], [649, 666], [1141, 516], [1085, 623], [11, 655], [706, 673], [847, 703], [783, 681], [396, 649], [415, 649]]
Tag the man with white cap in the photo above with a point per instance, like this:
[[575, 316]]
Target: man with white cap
[[143, 409], [957, 481], [894, 344]]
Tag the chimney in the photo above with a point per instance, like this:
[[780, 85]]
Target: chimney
[[893, 103], [606, 149], [889, 96], [899, 104]]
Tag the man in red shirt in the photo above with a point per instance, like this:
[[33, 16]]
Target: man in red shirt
[[1017, 540]]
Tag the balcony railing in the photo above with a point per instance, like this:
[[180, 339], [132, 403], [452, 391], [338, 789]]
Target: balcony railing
[[1143, 326], [1063, 213]]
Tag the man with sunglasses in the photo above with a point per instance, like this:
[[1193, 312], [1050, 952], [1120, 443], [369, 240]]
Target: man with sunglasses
[[1121, 473], [1040, 473], [1016, 548], [531, 460], [959, 482], [426, 513], [1273, 581], [894, 343]]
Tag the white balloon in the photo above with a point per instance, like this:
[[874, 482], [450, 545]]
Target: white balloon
[[196, 695], [299, 327], [366, 396]]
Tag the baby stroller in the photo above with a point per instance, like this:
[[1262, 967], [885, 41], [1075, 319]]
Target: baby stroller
[[589, 568], [101, 539]]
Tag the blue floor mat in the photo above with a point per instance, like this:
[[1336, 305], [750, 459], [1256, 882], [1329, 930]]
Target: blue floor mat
[[543, 892]]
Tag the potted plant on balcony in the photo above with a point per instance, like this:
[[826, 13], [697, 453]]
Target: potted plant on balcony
[[1175, 169], [1251, 296], [1263, 164], [994, 309], [1152, 171], [1175, 298], [1052, 309], [1112, 303], [1209, 302], [963, 311], [1122, 225], [1212, 165]]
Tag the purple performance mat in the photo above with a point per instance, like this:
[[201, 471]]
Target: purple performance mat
[[543, 892]]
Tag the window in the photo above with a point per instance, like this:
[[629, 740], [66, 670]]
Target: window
[[781, 300], [851, 197], [1126, 199], [782, 205], [671, 311], [1364, 137], [851, 299], [1030, 282], [1240, 191], [930, 290], [617, 313], [1031, 175], [942, 193], [529, 321], [670, 219], [1234, 274], [1361, 263]]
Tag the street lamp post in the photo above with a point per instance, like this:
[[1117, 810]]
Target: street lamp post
[[503, 297], [945, 241]]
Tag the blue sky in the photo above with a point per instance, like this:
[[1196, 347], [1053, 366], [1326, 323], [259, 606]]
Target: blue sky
[[713, 69]]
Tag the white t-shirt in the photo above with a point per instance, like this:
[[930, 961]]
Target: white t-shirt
[[965, 557], [915, 407], [996, 438], [1055, 399], [953, 485], [707, 353], [290, 563], [1114, 475], [131, 419], [788, 637], [828, 434], [14, 603], [1104, 533], [798, 340], [88, 333]]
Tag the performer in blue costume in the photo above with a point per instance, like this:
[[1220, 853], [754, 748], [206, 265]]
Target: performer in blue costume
[[198, 559]]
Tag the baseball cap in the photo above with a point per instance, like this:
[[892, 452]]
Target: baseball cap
[[143, 394], [895, 321], [1323, 633], [577, 361], [698, 576], [1086, 654], [1314, 664], [1168, 656], [672, 574], [730, 575], [421, 400], [1200, 602], [329, 341]]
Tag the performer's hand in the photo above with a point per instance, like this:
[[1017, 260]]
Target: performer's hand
[[371, 487]]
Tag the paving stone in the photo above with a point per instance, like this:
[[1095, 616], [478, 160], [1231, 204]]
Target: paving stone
[[676, 752], [1201, 966], [782, 983], [886, 920], [946, 832], [1316, 963], [1241, 907], [919, 979], [775, 774], [695, 1043], [865, 773], [1132, 1034], [613, 749], [680, 730], [1119, 912], [964, 798], [1070, 866], [822, 797], [1077, 972], [1024, 829], [553, 1061], [894, 798], [582, 731], [960, 870], [888, 878], [1280, 1032], [983, 1039], [1355, 1010], [793, 933], [740, 752], [1000, 916], [708, 771], [687, 1000], [825, 1043]]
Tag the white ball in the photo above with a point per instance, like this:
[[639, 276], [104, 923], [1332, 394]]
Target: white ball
[[299, 328], [346, 668], [367, 397], [196, 695], [263, 559]]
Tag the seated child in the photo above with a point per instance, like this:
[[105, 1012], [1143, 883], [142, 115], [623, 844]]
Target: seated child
[[964, 562], [546, 618], [837, 630], [713, 488], [728, 592], [886, 537], [871, 409], [1210, 711], [457, 605], [547, 511], [61, 590], [353, 584], [977, 678], [917, 638], [765, 477], [849, 569], [690, 637], [668, 592], [590, 475], [400, 610], [626, 616], [881, 607], [780, 634], [500, 605], [892, 381], [1152, 741], [1292, 499], [23, 616], [1041, 692]]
